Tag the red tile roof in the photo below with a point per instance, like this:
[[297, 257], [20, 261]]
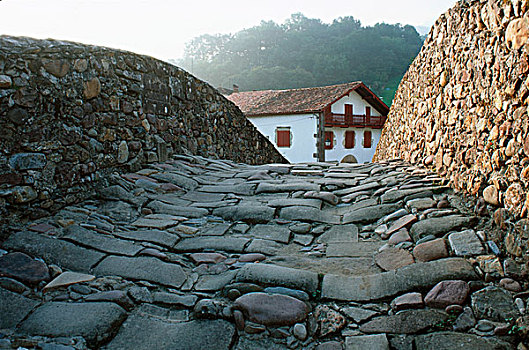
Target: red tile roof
[[299, 101]]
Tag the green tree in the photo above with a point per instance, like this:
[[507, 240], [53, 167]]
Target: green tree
[[305, 52]]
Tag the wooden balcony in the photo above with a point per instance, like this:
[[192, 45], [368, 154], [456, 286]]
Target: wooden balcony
[[354, 121]]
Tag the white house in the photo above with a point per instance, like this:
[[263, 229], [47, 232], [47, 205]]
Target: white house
[[330, 123]]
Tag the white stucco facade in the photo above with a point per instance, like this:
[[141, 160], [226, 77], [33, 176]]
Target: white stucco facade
[[361, 154], [359, 105], [303, 127]]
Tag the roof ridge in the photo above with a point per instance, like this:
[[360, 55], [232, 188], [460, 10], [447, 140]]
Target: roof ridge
[[305, 88]]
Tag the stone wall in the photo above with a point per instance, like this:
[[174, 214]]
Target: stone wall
[[462, 109], [70, 114]]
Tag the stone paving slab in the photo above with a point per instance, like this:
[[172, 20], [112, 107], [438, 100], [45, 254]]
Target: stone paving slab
[[176, 179], [294, 202], [286, 187], [453, 340], [370, 214], [170, 199], [264, 246], [281, 276], [228, 244], [276, 233], [214, 205], [14, 308], [117, 192], [352, 250], [340, 234], [203, 197], [363, 342], [405, 322], [213, 283], [360, 188], [54, 251], [242, 189], [149, 333], [95, 321], [142, 268], [440, 226], [309, 215], [396, 195], [154, 223], [190, 212], [391, 283], [255, 214], [105, 243], [163, 238]]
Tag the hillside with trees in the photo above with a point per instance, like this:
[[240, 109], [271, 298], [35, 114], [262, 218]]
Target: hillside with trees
[[305, 52]]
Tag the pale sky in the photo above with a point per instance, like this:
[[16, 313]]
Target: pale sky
[[160, 28]]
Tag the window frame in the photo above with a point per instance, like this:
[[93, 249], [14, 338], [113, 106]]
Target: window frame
[[283, 134], [370, 143], [352, 138]]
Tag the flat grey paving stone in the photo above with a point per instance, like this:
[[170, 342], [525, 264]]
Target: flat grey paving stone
[[162, 238], [97, 241], [141, 332], [360, 188], [118, 211], [391, 283], [309, 214], [405, 322], [276, 233], [254, 214], [494, 303], [190, 212], [321, 265], [213, 283], [370, 214], [228, 244], [142, 268], [158, 221], [454, 340], [196, 196], [359, 314], [54, 251], [214, 230], [369, 202], [96, 321], [117, 192], [272, 275], [176, 179], [363, 342], [352, 250], [253, 344], [396, 195], [466, 243], [265, 187], [170, 198], [215, 205], [340, 234], [293, 202], [440, 226], [264, 246], [14, 308], [242, 189]]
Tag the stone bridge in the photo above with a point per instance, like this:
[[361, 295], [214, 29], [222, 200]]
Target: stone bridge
[[136, 212], [196, 253]]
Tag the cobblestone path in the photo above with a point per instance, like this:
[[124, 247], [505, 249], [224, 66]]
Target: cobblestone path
[[208, 254]]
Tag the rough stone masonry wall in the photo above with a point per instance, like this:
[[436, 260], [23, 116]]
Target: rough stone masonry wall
[[462, 107], [70, 114]]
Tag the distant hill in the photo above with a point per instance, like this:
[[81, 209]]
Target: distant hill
[[305, 52]]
